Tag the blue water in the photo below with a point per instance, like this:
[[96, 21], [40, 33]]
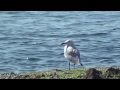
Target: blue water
[[30, 40]]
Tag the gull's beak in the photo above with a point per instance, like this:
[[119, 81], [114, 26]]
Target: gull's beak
[[62, 43]]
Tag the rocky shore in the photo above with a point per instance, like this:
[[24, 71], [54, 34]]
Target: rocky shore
[[82, 73]]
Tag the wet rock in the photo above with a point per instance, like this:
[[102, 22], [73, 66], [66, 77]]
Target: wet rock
[[22, 77], [57, 70], [54, 76], [42, 75], [12, 75], [93, 74], [8, 75], [111, 72]]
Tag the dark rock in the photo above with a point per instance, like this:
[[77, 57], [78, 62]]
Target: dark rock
[[93, 74], [57, 70], [113, 71], [26, 77], [12, 75], [43, 75], [22, 77], [54, 76]]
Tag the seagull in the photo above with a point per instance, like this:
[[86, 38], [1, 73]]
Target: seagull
[[71, 53]]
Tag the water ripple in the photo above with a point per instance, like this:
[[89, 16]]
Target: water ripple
[[30, 40]]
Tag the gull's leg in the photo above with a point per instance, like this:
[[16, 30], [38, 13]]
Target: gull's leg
[[74, 66], [69, 66]]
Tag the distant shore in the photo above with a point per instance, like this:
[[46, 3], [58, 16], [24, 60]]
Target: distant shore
[[81, 73]]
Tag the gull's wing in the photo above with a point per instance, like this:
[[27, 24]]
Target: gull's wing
[[74, 52]]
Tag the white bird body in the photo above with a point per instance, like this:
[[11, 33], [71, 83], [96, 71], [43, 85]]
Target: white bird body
[[68, 50], [71, 53]]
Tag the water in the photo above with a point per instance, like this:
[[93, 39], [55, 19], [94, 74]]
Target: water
[[30, 40]]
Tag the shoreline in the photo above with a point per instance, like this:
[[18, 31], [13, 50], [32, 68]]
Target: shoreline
[[80, 73]]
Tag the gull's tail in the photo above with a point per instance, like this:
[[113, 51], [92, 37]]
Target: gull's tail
[[80, 61], [81, 64]]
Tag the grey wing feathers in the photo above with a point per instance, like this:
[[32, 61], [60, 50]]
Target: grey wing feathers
[[74, 53], [77, 53], [78, 56]]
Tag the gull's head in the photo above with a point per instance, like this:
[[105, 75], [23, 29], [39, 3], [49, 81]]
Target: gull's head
[[67, 42]]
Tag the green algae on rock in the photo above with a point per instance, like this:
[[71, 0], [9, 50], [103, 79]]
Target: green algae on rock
[[81, 73]]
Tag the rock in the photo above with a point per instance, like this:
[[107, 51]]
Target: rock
[[93, 74], [22, 77], [54, 76], [113, 71], [43, 75]]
